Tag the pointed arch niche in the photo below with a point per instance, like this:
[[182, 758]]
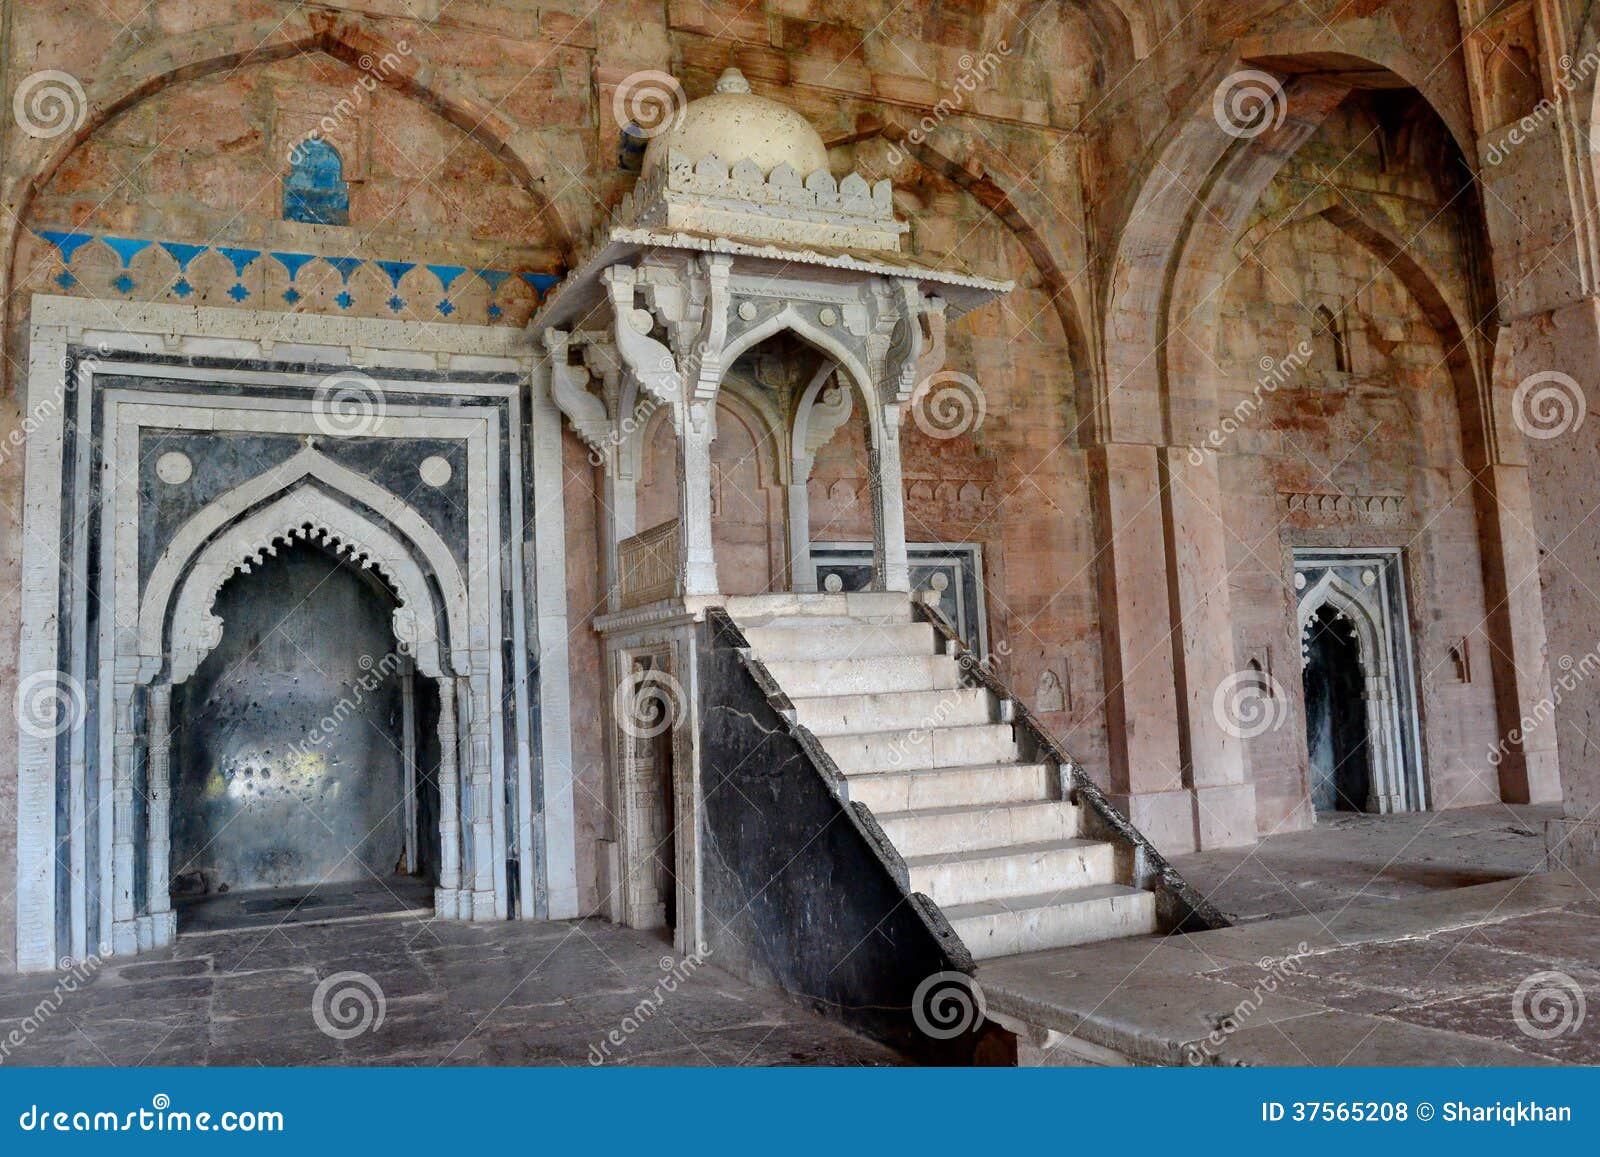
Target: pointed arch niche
[[1366, 589], [196, 452]]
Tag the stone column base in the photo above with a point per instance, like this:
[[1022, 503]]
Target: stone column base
[[1573, 845], [1166, 818], [125, 937], [1183, 821], [1530, 776], [447, 904], [1225, 817]]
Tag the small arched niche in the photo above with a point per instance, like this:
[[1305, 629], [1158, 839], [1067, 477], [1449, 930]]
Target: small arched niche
[[304, 753]]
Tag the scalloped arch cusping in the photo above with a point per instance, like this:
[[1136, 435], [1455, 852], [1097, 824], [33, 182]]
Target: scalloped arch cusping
[[245, 524], [311, 515]]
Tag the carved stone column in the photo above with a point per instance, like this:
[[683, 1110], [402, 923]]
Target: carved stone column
[[802, 571], [408, 752], [480, 778], [622, 520], [696, 433], [124, 905], [447, 897], [890, 570], [158, 888]]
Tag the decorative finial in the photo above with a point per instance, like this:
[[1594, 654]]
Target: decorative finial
[[732, 80]]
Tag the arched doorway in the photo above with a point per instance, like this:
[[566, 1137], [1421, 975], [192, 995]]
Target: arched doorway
[[747, 500], [297, 760], [1336, 714]]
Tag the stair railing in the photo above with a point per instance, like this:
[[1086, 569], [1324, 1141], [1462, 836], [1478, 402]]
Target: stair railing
[[1179, 906]]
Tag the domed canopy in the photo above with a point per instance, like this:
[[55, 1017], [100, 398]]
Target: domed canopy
[[733, 124]]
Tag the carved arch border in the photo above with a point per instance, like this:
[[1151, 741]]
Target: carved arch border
[[220, 520], [305, 514], [1386, 783]]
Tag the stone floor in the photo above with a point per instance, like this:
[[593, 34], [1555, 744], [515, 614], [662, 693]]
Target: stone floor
[[1367, 860], [321, 904], [504, 994], [1409, 969]]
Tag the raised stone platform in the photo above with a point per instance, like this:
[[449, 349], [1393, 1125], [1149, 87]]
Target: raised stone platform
[[1495, 974]]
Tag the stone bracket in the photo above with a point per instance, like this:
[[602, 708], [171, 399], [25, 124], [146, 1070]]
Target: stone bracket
[[569, 386]]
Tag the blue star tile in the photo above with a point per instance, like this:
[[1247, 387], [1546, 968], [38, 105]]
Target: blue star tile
[[123, 283], [397, 303], [447, 307], [182, 287], [238, 292], [65, 280], [291, 295], [344, 300], [495, 311]]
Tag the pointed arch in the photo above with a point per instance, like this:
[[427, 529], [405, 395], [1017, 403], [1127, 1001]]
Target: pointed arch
[[279, 505], [1391, 783], [791, 320], [1000, 196], [1371, 640], [347, 37], [303, 514]]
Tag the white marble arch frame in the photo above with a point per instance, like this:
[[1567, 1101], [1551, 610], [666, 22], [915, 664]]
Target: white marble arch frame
[[1387, 787], [273, 344], [823, 342], [195, 630], [217, 539]]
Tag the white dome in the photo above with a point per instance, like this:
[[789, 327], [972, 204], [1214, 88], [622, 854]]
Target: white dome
[[733, 124]]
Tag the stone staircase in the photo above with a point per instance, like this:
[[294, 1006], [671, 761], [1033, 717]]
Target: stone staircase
[[984, 834]]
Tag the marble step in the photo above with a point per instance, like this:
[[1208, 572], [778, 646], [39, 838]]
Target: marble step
[[796, 608], [971, 877], [864, 752], [903, 791], [896, 710], [1053, 920], [942, 830], [846, 639], [808, 678]]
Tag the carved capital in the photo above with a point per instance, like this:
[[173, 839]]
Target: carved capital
[[931, 360], [704, 366], [650, 362], [569, 387], [901, 367]]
